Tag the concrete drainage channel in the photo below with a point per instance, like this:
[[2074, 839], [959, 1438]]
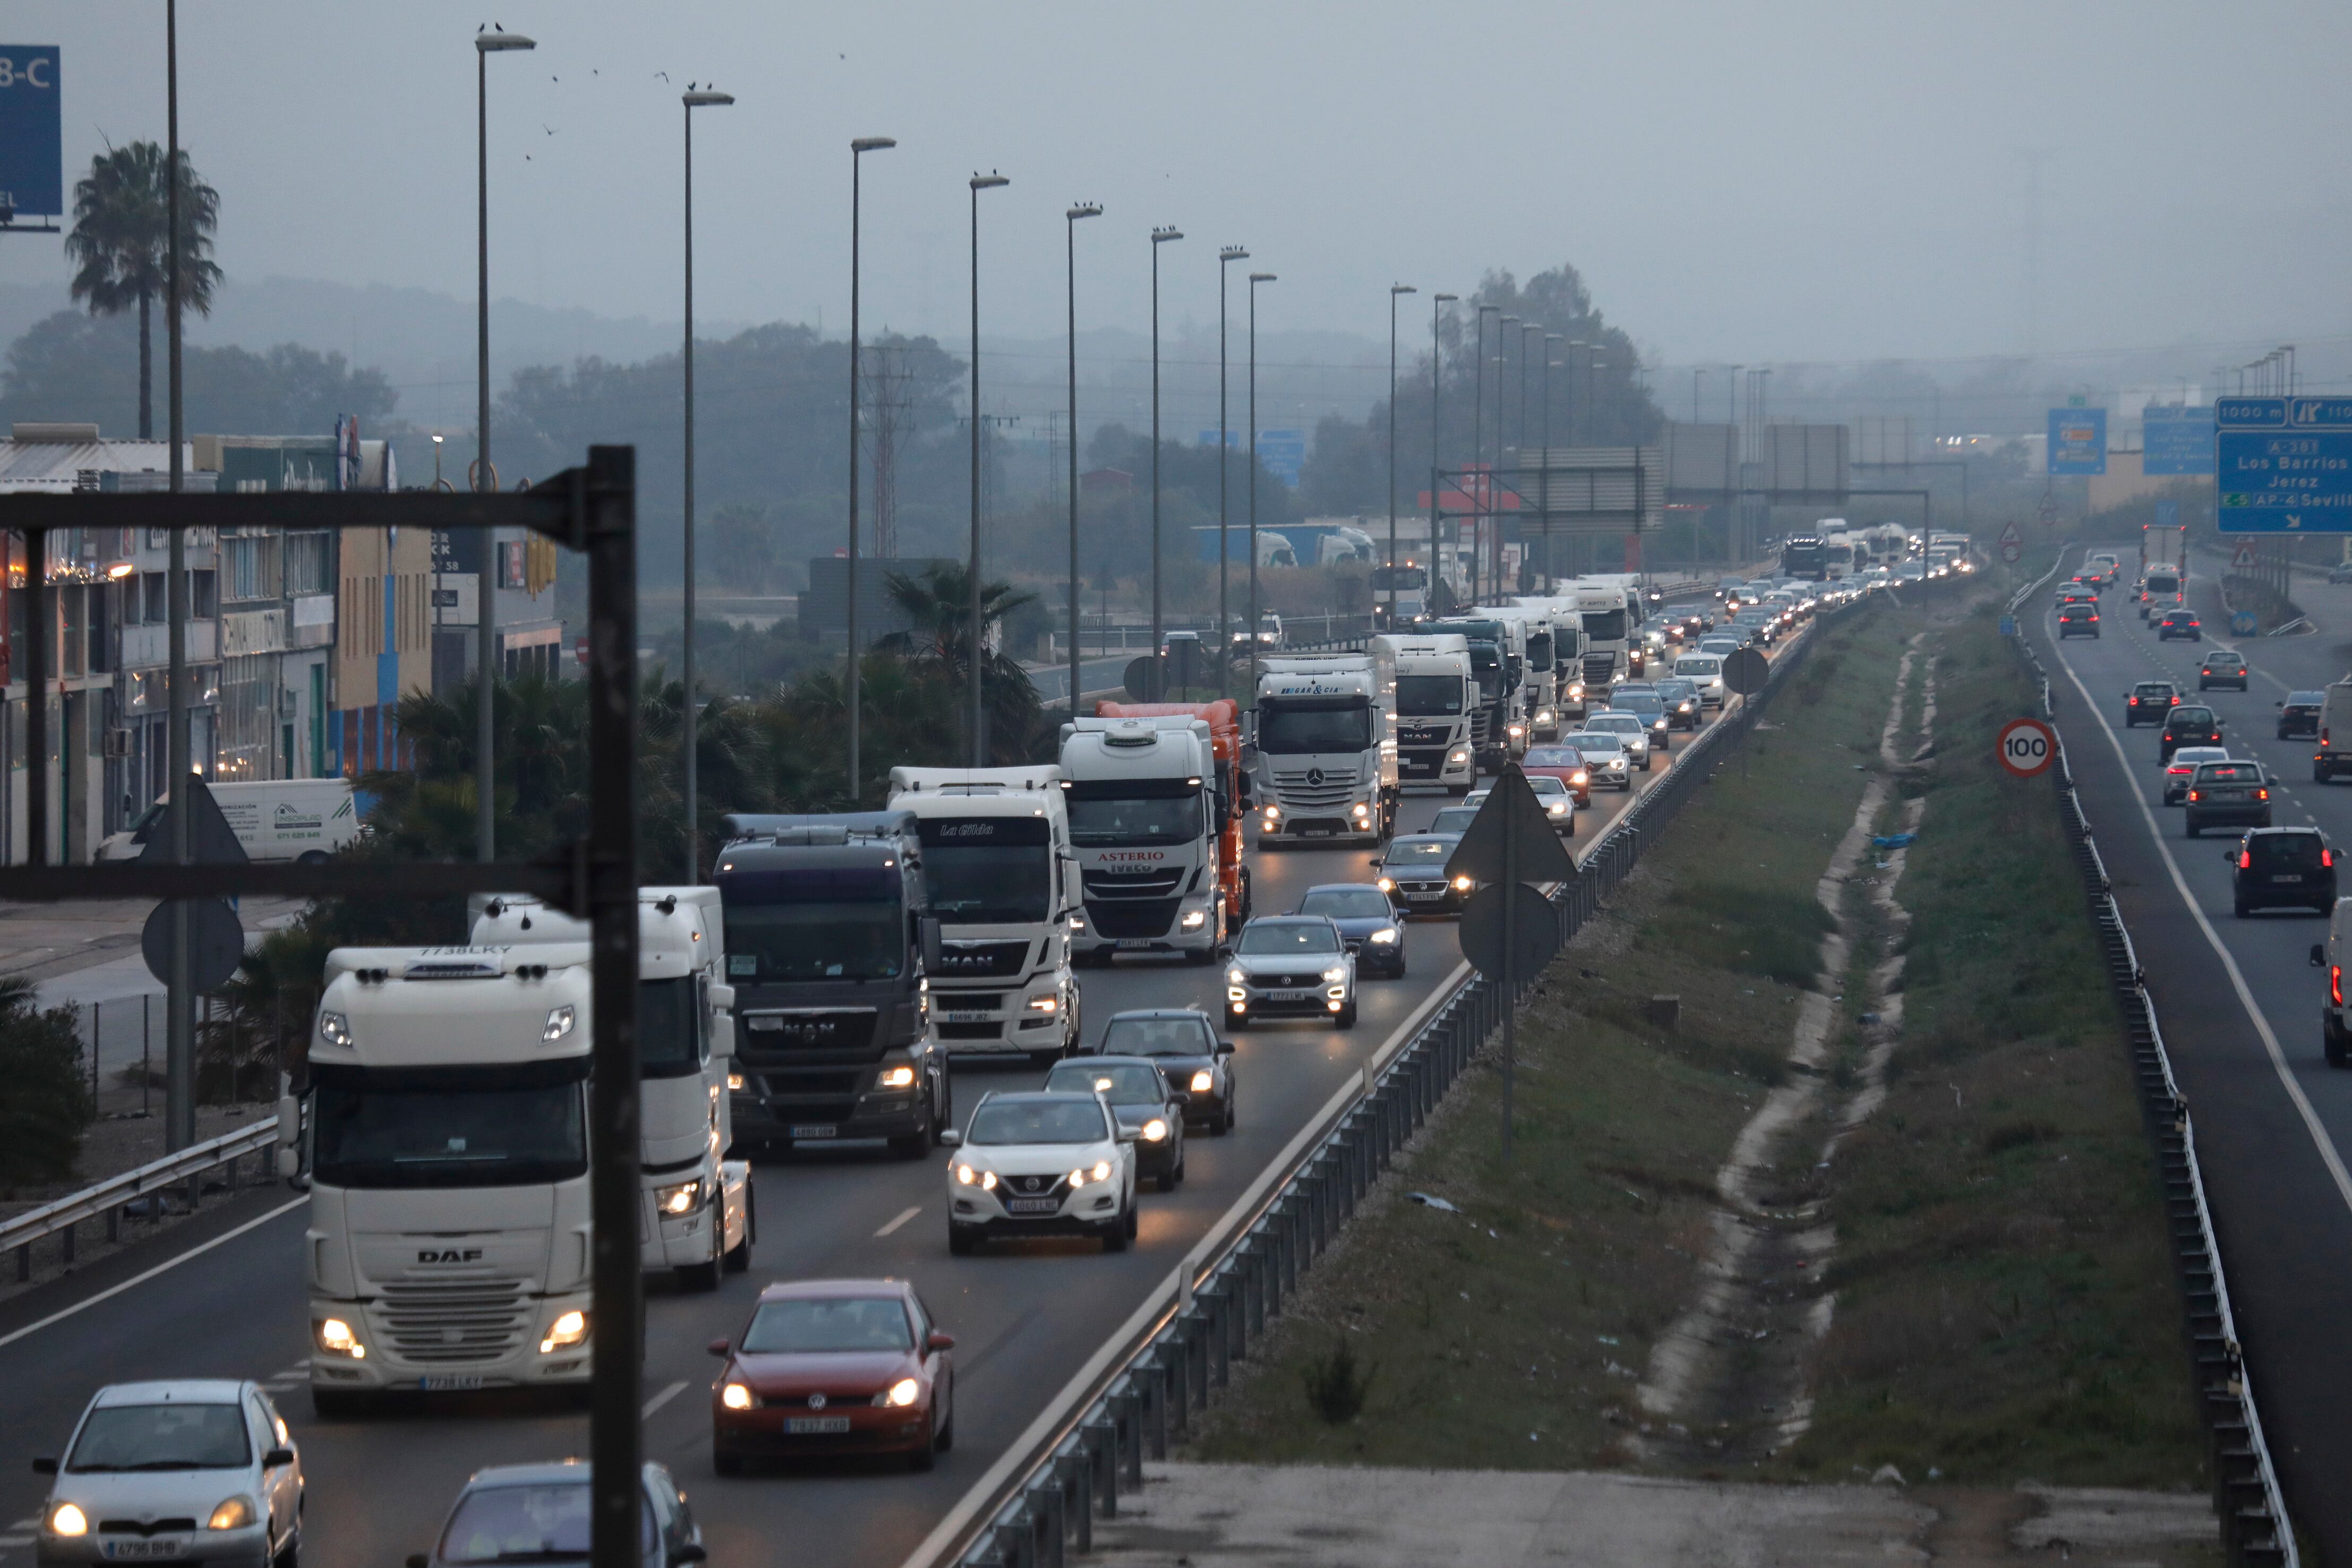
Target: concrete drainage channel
[[1079, 1470], [2254, 1527]]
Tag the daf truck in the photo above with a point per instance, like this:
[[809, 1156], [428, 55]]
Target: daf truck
[[1434, 700], [1146, 821], [1003, 885], [1327, 751], [830, 944]]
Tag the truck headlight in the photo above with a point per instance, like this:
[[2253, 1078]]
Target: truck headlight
[[1362, 809], [1045, 1004], [1517, 730], [1543, 715], [1458, 754], [1576, 691], [1078, 922], [735, 1083], [679, 1198], [896, 1078], [234, 1513], [335, 1337], [334, 1029], [1194, 920], [1273, 812], [67, 1519], [559, 1022], [569, 1329], [1203, 1081]]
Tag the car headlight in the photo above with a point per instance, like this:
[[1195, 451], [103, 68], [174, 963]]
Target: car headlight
[[1335, 974], [1236, 975], [569, 1329], [1579, 776], [1555, 808], [1050, 1004], [1203, 1081], [67, 1519], [334, 1029], [559, 1022], [972, 1175], [1194, 919], [679, 1199], [1461, 885], [1386, 884], [1154, 1131], [1385, 936], [1077, 1179], [335, 1337], [1101, 1171], [234, 1513], [896, 1078], [735, 1397], [899, 1395]]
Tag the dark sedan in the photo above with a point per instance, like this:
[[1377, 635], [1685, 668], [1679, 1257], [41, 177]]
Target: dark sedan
[[1412, 873], [2299, 715], [2180, 624], [1142, 1097], [1680, 695], [2282, 867], [2150, 701], [1366, 919], [2234, 793], [1183, 1044], [2191, 724], [834, 1366]]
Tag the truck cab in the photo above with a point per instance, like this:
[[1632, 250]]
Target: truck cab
[[829, 944], [1003, 885], [1433, 705], [1326, 753], [1492, 669], [1229, 788], [1146, 824]]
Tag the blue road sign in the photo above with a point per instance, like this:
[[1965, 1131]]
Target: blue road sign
[[2078, 441], [32, 144], [2167, 512], [2178, 440], [1284, 452], [2286, 465]]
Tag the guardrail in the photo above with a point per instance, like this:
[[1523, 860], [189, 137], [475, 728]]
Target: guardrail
[[1222, 1302], [2253, 1518], [111, 1198]]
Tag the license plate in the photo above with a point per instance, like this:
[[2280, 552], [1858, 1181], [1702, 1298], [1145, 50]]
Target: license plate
[[1290, 995], [1033, 1206], [1135, 944], [138, 1551], [968, 1015], [442, 1381], [1314, 832], [1424, 897], [815, 1426], [819, 1131], [2290, 876]]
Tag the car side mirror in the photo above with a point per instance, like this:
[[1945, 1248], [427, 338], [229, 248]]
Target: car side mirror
[[44, 1466], [691, 1551], [2278, 705], [2318, 961], [950, 1139], [719, 1347], [276, 1457], [2229, 857], [1225, 1048], [939, 1340]]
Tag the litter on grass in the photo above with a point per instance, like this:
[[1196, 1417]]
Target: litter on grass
[[1427, 1201]]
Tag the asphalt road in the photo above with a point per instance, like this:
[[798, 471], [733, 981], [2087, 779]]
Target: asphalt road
[[1026, 1316], [2238, 1005]]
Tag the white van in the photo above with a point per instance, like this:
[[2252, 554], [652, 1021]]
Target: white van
[[1706, 669], [2331, 756], [303, 819]]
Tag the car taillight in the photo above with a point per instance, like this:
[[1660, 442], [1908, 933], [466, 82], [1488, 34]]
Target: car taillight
[[2327, 859], [2195, 796], [2336, 983], [2134, 702], [2245, 857], [2262, 794]]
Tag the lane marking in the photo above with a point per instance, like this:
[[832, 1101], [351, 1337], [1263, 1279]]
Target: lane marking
[[658, 1400], [164, 1267], [2319, 1138], [902, 1219]]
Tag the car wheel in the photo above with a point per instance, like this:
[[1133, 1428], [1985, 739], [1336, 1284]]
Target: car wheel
[[1134, 1217], [961, 1240], [2242, 908], [924, 1457], [945, 1441], [738, 1257], [2332, 1042], [1114, 1236], [309, 857], [2190, 827], [1345, 1018], [1168, 1179], [2319, 773], [288, 1555], [725, 1463]]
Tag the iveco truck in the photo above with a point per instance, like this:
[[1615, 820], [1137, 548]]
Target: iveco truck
[[830, 945], [1145, 819], [1327, 752], [696, 1210], [1003, 885], [1433, 702]]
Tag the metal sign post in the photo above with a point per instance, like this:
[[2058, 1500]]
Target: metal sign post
[[1507, 931]]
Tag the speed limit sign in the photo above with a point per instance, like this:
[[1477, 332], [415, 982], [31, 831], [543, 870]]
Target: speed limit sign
[[2028, 747]]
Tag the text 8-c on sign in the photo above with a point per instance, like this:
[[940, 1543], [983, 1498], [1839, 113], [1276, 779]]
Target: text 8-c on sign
[[2027, 747]]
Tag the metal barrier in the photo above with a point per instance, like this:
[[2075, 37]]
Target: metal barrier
[[2254, 1525], [151, 1181]]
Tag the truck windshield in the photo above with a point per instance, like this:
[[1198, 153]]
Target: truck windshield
[[1135, 811], [453, 1127], [670, 1029], [1486, 668], [827, 939], [1538, 650], [1292, 728], [1605, 625], [989, 871], [1419, 696]]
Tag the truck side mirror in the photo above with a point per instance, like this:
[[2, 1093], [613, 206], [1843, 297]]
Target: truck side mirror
[[930, 938], [722, 996]]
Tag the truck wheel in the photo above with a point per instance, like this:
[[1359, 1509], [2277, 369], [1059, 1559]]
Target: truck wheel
[[2332, 1041], [738, 1257], [1199, 956], [338, 1404], [911, 1146], [961, 1240], [700, 1278]]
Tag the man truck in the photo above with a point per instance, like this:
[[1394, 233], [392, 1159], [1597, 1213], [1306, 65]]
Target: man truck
[[1434, 702]]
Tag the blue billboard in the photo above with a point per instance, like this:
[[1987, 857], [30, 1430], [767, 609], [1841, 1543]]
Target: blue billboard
[[32, 144], [2078, 441], [2178, 440], [2286, 465], [1283, 451]]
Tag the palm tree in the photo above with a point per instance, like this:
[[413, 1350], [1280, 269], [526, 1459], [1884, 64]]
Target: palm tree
[[938, 603], [120, 245]]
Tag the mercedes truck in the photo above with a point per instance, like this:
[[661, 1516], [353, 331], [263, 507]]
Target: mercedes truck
[[1327, 752], [1146, 824], [1436, 699]]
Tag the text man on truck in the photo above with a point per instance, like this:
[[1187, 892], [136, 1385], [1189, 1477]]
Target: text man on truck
[[1434, 700], [1003, 885], [1326, 753], [1146, 824]]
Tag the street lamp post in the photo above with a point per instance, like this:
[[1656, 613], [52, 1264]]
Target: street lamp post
[[1503, 325], [1526, 328], [1395, 289], [1160, 236], [1479, 445], [1226, 259], [851, 700], [692, 102], [1544, 476], [1254, 279], [485, 828], [1437, 304], [1070, 236], [980, 182]]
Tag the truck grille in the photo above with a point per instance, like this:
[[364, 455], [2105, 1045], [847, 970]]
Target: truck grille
[[1152, 885], [959, 960], [768, 1034], [1421, 764], [993, 1029], [451, 1321], [1598, 667], [1132, 917], [1424, 734], [1315, 789]]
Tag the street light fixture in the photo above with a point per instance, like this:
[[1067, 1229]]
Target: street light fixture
[[851, 700], [988, 182], [1437, 304], [1160, 236], [1070, 234], [485, 828], [1254, 279], [701, 99], [1395, 289], [1226, 259]]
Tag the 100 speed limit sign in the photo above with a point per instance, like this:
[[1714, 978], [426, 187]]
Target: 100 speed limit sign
[[2028, 748]]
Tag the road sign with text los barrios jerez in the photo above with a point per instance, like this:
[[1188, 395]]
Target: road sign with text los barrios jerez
[[2286, 465]]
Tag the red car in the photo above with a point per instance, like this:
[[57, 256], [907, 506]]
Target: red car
[[834, 1366], [1564, 763]]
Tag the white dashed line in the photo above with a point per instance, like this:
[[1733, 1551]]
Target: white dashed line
[[658, 1400], [900, 1220]]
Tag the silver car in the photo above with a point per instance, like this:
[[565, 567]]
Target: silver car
[[1632, 728], [1605, 761], [1291, 966], [538, 1513], [198, 1470]]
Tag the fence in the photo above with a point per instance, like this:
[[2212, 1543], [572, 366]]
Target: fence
[[2254, 1526], [141, 1191]]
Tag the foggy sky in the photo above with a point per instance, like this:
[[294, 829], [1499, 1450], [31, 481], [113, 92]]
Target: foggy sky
[[1793, 181]]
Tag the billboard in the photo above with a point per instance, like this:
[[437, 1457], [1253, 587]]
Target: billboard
[[1283, 451], [2178, 440], [32, 145], [2078, 441], [2284, 465]]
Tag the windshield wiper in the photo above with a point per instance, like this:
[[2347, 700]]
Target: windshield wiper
[[171, 1465]]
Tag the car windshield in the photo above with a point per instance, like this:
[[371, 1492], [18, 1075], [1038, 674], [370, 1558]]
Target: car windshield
[[1616, 724], [1640, 702], [1552, 757], [1587, 742], [1119, 1085], [161, 1438], [1067, 1121], [1546, 784], [1291, 727], [1347, 903], [825, 939], [547, 1522], [1420, 851], [1260, 937], [2272, 850], [1422, 696], [815, 1325], [2186, 760], [1157, 1037]]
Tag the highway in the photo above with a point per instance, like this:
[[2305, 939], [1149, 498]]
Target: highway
[[2239, 1004], [1026, 1316]]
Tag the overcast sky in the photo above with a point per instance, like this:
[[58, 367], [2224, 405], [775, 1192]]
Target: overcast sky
[[1799, 181]]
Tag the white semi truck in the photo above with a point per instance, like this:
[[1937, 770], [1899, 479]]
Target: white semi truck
[[1327, 749], [1434, 703], [1611, 614], [1146, 826], [1003, 886]]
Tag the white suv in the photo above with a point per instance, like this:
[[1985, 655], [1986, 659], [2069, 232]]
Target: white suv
[[1041, 1164]]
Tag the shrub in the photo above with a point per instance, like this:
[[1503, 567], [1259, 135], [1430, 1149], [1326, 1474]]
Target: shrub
[[1335, 1390], [44, 1099]]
